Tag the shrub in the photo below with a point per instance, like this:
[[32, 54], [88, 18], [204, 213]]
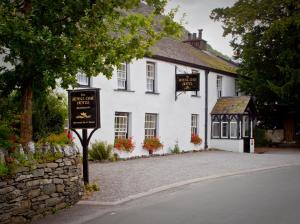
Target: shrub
[[5, 137], [49, 114], [259, 138], [4, 171], [124, 144], [56, 139], [152, 144], [195, 139], [100, 151], [91, 187], [176, 149], [42, 157]]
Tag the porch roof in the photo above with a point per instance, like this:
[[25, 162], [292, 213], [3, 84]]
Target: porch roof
[[231, 105]]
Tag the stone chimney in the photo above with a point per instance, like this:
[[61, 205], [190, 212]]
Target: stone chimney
[[195, 41]]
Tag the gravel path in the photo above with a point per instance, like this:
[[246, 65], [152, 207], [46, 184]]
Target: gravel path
[[122, 179]]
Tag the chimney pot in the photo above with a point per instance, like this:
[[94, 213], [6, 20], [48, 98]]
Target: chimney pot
[[200, 34], [194, 36]]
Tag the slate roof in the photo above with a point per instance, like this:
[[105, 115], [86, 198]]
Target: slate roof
[[231, 105], [175, 49]]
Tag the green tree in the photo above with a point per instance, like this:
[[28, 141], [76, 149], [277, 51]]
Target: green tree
[[266, 35], [49, 114], [48, 40]]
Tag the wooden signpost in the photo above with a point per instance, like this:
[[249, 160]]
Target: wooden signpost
[[84, 113]]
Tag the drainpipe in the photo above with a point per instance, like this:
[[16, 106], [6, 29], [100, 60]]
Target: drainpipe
[[206, 109]]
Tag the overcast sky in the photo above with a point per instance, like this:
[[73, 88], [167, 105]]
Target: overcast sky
[[197, 17]]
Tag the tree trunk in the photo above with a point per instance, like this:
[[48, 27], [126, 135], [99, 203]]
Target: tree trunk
[[26, 114], [289, 128]]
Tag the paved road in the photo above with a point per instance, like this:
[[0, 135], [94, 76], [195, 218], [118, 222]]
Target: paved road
[[271, 196], [126, 180], [119, 181]]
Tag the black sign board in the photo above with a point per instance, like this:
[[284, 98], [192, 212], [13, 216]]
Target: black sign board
[[187, 82], [84, 109]]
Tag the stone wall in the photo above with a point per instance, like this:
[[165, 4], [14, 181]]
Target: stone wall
[[275, 136], [37, 191]]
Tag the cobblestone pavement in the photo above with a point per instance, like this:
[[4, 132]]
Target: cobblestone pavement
[[125, 178]]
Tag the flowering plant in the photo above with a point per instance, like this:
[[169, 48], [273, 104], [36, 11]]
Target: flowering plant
[[70, 136], [152, 144], [196, 139], [124, 144]]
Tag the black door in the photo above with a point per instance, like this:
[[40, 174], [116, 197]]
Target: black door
[[247, 145]]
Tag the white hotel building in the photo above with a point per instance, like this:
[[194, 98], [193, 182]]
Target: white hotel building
[[140, 101]]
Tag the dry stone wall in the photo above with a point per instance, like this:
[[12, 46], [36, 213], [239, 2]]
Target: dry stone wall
[[37, 191]]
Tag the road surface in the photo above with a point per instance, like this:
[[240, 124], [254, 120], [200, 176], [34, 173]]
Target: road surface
[[271, 196]]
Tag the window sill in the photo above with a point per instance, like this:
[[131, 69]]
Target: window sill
[[83, 85], [124, 90], [195, 96], [153, 93], [218, 138]]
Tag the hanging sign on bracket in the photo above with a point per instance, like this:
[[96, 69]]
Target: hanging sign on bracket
[[187, 82]]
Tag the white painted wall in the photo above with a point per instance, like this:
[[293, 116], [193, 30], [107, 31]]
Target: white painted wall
[[174, 117], [228, 89], [228, 145]]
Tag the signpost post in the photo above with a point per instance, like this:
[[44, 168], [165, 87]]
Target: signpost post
[[84, 113]]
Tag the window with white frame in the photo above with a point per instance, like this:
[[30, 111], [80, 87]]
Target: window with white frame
[[224, 129], [216, 129], [233, 128], [122, 76], [195, 93], [150, 125], [246, 126], [82, 79], [121, 125], [219, 86], [194, 124], [150, 70]]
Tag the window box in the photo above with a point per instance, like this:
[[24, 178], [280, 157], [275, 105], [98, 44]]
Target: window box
[[196, 140], [124, 144], [152, 144]]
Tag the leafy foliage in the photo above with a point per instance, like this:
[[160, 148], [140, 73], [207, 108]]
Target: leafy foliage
[[100, 151], [91, 187], [49, 40], [56, 139], [266, 35], [49, 114], [4, 171], [42, 157], [5, 137], [259, 138], [176, 149]]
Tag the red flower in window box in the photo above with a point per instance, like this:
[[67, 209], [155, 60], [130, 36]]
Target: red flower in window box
[[152, 144], [124, 144], [195, 139]]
